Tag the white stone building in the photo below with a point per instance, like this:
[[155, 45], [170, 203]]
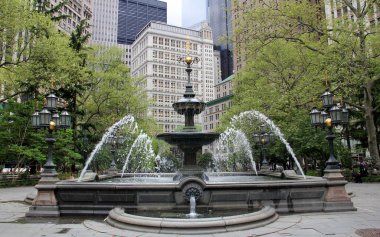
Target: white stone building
[[155, 55]]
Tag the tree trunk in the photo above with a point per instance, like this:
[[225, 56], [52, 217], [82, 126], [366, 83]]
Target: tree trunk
[[370, 123]]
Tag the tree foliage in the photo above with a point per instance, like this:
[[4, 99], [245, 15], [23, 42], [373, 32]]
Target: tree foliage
[[37, 59], [293, 53]]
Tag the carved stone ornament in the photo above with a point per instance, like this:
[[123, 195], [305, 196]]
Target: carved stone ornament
[[192, 189]]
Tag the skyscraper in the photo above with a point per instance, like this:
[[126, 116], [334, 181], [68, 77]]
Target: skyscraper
[[104, 22], [133, 15], [117, 22], [220, 19], [193, 12]]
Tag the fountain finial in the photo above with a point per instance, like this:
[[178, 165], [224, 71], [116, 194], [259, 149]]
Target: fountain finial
[[188, 59]]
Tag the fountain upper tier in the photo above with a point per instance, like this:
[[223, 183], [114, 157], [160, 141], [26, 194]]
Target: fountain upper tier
[[189, 139]]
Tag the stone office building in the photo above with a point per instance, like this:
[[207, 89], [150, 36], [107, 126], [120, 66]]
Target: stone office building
[[155, 55]]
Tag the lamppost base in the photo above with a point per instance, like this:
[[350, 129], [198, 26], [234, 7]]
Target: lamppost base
[[45, 203], [336, 197], [264, 168], [112, 170], [190, 171]]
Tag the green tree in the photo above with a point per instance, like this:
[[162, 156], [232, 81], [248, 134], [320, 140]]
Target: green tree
[[113, 93], [342, 53], [20, 145], [19, 38], [24, 146]]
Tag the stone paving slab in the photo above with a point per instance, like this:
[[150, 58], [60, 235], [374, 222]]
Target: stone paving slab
[[12, 211]]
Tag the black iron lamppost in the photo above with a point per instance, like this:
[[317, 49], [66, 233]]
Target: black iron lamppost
[[50, 118], [114, 141], [45, 203], [263, 139], [332, 115]]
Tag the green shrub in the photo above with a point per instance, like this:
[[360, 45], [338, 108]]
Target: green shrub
[[316, 173], [371, 179]]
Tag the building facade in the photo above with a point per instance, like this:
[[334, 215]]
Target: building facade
[[155, 55], [77, 10], [238, 8], [219, 16], [104, 21], [116, 22], [216, 108], [217, 67], [105, 27], [336, 9], [133, 15]]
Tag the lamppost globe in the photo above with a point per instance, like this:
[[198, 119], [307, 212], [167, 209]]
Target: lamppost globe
[[256, 138], [315, 117], [45, 117], [324, 116], [36, 119], [327, 99], [65, 119], [55, 118], [265, 138], [51, 102], [345, 116], [336, 114], [328, 122]]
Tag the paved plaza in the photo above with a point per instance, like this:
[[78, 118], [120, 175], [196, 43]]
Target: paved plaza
[[366, 198]]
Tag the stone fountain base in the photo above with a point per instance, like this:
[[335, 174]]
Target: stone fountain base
[[120, 219], [285, 195]]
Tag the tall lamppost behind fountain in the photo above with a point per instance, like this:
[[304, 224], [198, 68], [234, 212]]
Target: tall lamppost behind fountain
[[189, 140], [263, 139], [115, 141]]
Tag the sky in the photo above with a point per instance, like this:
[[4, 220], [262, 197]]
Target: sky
[[174, 12]]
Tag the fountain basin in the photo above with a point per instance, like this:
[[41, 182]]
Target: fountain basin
[[120, 219], [287, 195]]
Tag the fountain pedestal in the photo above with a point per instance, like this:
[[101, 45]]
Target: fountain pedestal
[[190, 143]]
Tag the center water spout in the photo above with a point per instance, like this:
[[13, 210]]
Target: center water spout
[[193, 204]]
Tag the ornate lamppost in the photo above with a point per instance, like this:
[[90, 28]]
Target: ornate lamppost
[[114, 141], [50, 118], [331, 115], [262, 139], [45, 203]]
